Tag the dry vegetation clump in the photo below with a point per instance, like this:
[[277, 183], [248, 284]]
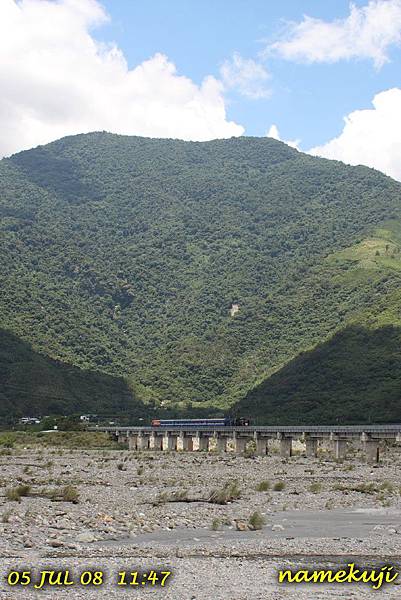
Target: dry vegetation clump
[[384, 491], [5, 517], [16, 493], [263, 486], [177, 496], [230, 491], [67, 493]]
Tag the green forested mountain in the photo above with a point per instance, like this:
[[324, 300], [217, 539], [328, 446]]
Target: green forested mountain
[[33, 384], [124, 255], [353, 377]]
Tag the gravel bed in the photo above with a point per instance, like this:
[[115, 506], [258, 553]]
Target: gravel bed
[[125, 519]]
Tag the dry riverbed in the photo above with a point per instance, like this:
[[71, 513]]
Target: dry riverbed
[[223, 524]]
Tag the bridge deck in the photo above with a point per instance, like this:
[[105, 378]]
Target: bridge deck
[[391, 430]]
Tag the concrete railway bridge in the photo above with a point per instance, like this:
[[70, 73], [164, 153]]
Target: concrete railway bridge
[[205, 438]]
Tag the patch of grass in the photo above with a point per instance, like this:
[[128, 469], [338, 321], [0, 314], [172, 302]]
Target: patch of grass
[[263, 486], [279, 486], [68, 493], [315, 488], [180, 495], [256, 521], [388, 487], [177, 496], [7, 440], [216, 524], [16, 493], [59, 439], [369, 487], [229, 492], [5, 517], [349, 467]]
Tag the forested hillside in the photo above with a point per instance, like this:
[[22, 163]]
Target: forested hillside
[[32, 384], [124, 255], [354, 377]]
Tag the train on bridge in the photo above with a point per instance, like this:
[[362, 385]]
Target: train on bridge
[[196, 423]]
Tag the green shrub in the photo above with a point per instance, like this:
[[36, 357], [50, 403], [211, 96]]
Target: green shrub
[[7, 441], [279, 486], [263, 486], [315, 488], [70, 493], [256, 521]]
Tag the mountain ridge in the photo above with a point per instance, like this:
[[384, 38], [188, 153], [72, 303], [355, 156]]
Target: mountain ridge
[[124, 255]]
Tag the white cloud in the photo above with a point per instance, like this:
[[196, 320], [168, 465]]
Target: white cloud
[[56, 80], [366, 33], [274, 133], [370, 137], [245, 75]]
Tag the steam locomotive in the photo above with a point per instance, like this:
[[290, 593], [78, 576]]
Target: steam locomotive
[[224, 422]]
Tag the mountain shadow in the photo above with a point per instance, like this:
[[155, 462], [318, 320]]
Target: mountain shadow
[[355, 377], [33, 384]]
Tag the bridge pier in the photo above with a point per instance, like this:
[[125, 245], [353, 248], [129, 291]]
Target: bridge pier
[[132, 442], [170, 442], [187, 443], [261, 446], [142, 442], [203, 443], [156, 442], [239, 445], [340, 449], [311, 447], [286, 447], [372, 450], [221, 444]]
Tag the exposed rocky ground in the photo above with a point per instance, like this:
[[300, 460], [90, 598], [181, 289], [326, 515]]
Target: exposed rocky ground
[[153, 510]]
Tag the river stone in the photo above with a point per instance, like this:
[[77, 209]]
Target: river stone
[[86, 537]]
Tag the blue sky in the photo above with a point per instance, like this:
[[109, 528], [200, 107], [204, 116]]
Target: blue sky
[[307, 102], [324, 76]]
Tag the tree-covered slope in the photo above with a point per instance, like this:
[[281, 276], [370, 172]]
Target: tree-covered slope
[[125, 255], [33, 385], [354, 377]]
